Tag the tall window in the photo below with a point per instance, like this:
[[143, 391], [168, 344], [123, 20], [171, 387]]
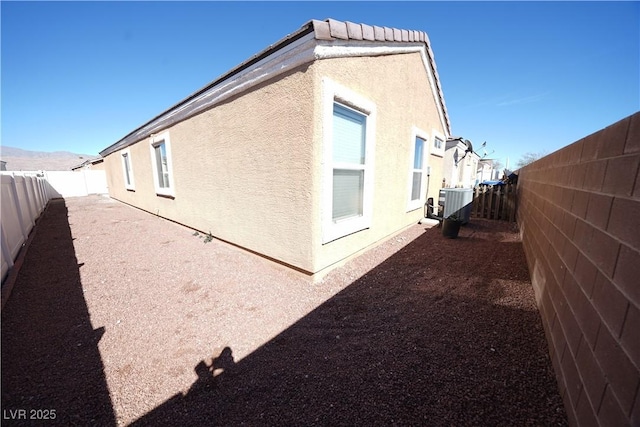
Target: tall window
[[160, 151], [418, 160], [348, 162], [348, 125], [417, 168], [127, 170], [161, 161]]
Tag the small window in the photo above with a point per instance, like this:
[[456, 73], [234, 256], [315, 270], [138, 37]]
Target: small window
[[127, 170], [438, 144], [161, 162]]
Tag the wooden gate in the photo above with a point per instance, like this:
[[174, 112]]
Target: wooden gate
[[495, 202]]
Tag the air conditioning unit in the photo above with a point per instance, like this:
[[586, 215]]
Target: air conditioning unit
[[457, 201]]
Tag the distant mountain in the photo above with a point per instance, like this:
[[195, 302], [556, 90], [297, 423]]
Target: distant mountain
[[25, 160]]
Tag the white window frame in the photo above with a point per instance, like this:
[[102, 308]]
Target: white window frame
[[129, 184], [156, 141], [437, 151], [335, 93], [419, 202]]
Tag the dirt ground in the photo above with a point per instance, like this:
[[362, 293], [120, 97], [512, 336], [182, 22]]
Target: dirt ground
[[119, 317]]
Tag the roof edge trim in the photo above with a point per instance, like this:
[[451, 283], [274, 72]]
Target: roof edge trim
[[327, 32], [287, 40]]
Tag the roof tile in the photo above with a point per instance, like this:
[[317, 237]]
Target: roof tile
[[379, 33], [338, 29], [321, 29], [405, 35], [388, 34], [367, 32], [397, 35], [354, 31]]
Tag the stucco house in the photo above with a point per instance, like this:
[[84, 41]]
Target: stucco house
[[487, 170], [90, 164], [311, 151], [460, 164]]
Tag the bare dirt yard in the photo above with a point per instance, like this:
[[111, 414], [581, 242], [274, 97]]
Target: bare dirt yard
[[119, 317]]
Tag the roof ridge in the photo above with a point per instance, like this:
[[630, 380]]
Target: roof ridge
[[331, 29], [328, 30]]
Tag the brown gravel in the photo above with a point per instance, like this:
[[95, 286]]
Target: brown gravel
[[121, 317]]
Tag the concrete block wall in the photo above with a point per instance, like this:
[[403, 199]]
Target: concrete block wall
[[579, 216]]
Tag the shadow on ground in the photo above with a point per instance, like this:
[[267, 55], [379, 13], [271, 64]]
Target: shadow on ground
[[52, 372], [445, 332]]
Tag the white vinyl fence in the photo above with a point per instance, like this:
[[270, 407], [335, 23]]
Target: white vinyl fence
[[26, 194], [76, 183], [23, 200]]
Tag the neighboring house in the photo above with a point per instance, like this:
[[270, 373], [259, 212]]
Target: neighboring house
[[307, 153], [90, 164], [487, 170], [460, 164]]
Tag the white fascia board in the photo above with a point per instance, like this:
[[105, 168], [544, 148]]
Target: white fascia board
[[290, 57], [352, 48]]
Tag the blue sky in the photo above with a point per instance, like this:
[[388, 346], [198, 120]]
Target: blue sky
[[523, 76]]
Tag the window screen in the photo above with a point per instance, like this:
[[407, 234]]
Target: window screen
[[349, 160], [348, 135]]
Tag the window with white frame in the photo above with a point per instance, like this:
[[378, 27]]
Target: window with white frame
[[161, 164], [127, 170], [417, 171], [438, 144], [348, 162], [349, 137]]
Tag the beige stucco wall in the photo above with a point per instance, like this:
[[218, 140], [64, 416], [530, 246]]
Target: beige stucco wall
[[399, 87], [250, 170], [242, 171]]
